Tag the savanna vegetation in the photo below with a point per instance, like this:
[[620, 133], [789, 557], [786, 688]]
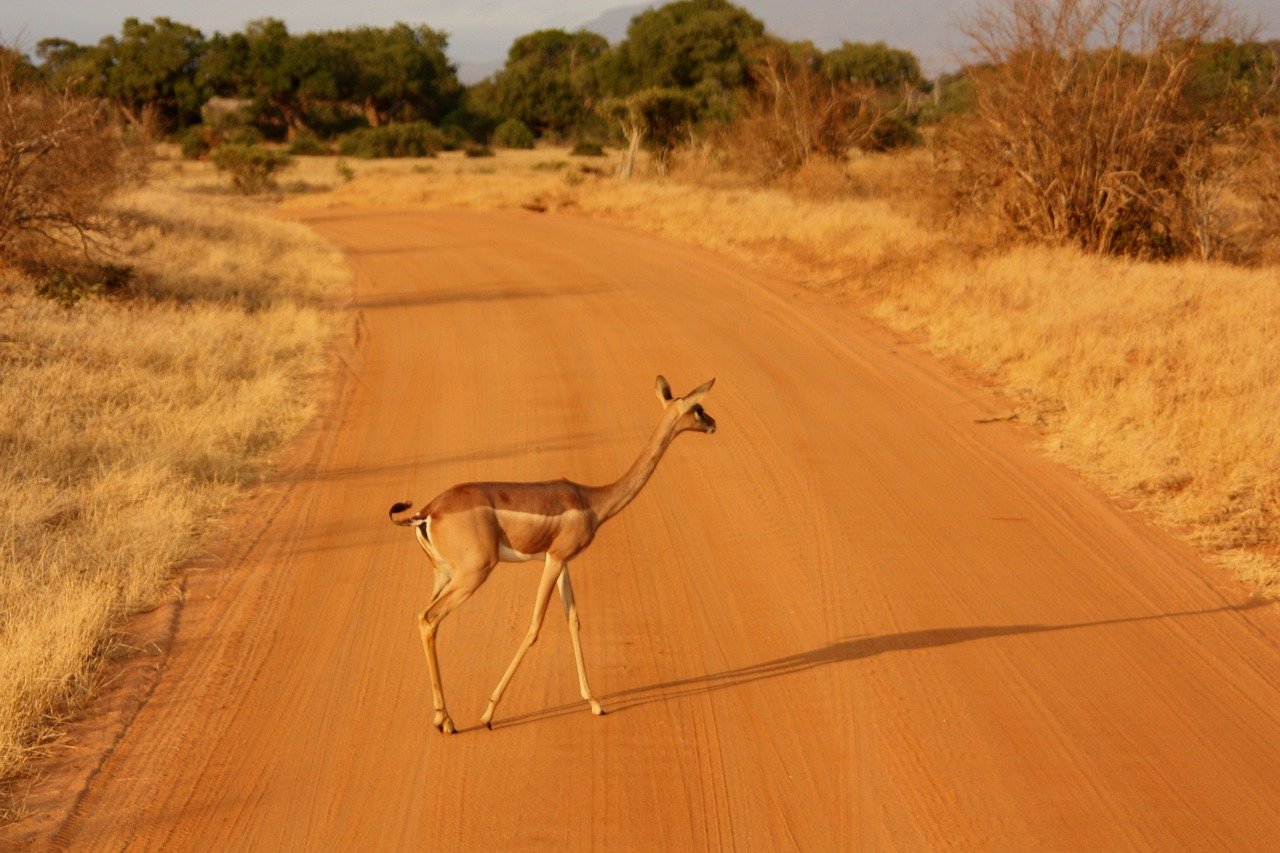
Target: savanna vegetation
[[1085, 217]]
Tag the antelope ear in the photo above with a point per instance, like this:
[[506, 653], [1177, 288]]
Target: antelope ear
[[663, 387], [694, 397]]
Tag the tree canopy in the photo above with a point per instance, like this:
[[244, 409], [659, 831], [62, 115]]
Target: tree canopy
[[548, 82]]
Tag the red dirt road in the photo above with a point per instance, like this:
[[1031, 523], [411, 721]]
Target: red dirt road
[[851, 618]]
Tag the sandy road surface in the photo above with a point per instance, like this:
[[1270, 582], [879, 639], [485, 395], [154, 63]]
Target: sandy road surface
[[853, 617]]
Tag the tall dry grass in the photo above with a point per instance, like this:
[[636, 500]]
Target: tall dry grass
[[1158, 381], [128, 425]]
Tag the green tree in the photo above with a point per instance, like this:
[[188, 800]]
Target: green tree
[[878, 64], [547, 83], [689, 44], [60, 57], [149, 70], [657, 117], [401, 72], [1228, 77], [284, 75]]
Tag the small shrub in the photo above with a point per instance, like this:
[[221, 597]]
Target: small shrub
[[68, 284], [513, 133], [455, 138], [194, 142], [549, 165], [475, 149], [412, 139], [307, 145], [344, 170], [587, 149], [253, 168], [889, 132], [244, 135]]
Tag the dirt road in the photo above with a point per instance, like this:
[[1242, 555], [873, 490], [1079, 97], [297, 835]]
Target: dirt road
[[853, 617]]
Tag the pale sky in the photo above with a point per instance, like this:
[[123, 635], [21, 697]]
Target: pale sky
[[482, 30], [478, 30]]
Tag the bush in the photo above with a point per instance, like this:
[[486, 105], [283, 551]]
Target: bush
[[587, 149], [307, 145], [1084, 129], [513, 133], [475, 149], [244, 135], [253, 168], [194, 142], [889, 132], [71, 282], [455, 138], [798, 113], [61, 160], [412, 139]]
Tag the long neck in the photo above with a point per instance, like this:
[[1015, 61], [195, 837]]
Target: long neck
[[609, 500]]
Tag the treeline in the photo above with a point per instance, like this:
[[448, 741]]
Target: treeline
[[699, 61], [704, 64], [1115, 124]]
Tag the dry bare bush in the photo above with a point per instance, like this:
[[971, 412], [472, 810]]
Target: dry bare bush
[[61, 160], [1084, 131], [799, 113]]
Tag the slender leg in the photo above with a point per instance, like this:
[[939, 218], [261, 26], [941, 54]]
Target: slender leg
[[548, 581], [571, 614], [428, 623], [429, 647]]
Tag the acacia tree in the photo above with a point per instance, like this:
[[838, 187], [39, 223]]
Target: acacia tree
[[399, 72], [546, 82], [877, 64], [700, 46], [148, 72], [285, 76], [658, 117]]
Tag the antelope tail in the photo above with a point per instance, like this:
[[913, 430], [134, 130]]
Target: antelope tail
[[401, 507]]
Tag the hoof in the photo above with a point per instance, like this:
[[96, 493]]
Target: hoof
[[488, 724], [596, 709], [447, 727]]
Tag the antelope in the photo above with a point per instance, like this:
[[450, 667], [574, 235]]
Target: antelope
[[470, 528]]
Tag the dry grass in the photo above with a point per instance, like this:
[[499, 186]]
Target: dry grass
[[1157, 381], [126, 425]]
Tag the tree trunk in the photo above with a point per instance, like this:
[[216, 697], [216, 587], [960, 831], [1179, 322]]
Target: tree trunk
[[371, 113], [633, 131]]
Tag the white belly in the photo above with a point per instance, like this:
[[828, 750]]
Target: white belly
[[510, 555]]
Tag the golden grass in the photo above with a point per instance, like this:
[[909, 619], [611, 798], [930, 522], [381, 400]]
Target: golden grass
[[1160, 382], [128, 425]]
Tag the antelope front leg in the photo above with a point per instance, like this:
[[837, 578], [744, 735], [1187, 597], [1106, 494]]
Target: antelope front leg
[[571, 614], [550, 573]]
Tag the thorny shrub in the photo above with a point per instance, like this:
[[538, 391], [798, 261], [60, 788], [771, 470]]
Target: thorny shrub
[[61, 161], [1085, 129], [799, 113]]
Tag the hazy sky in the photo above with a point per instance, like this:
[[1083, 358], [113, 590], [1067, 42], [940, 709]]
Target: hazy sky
[[479, 29]]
